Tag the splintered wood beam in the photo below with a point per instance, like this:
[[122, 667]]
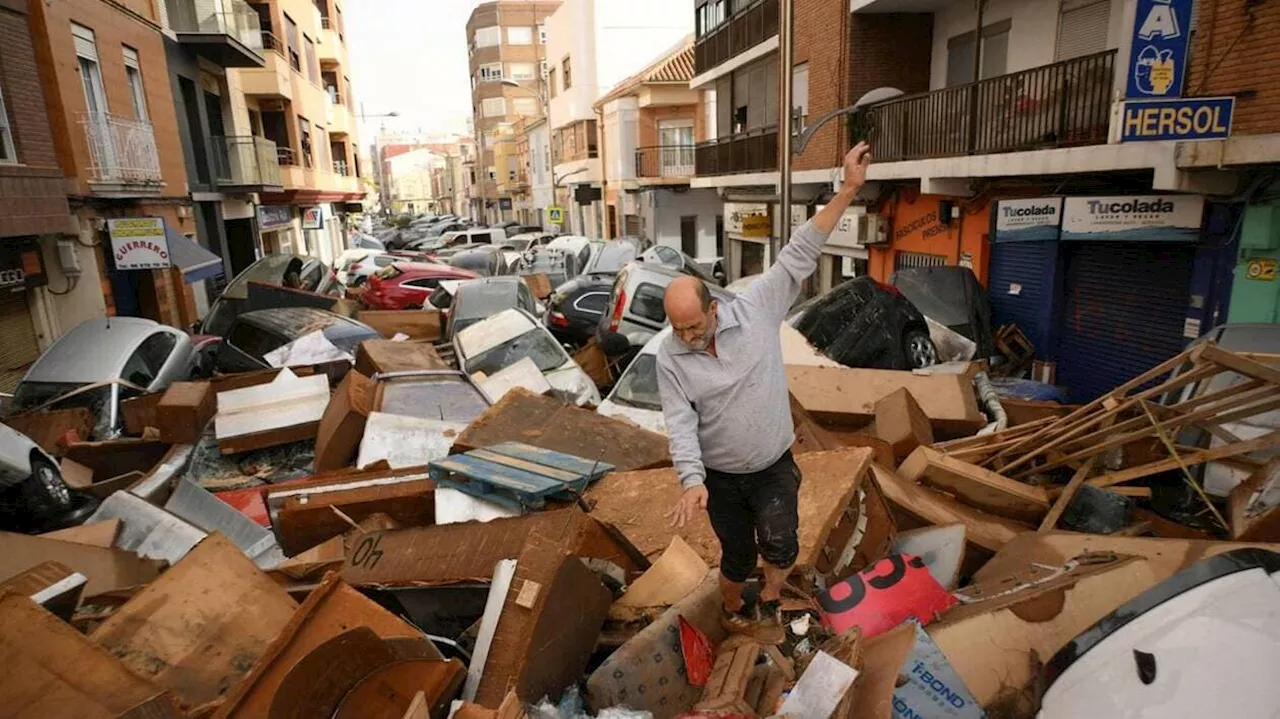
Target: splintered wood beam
[[1190, 460], [1241, 364], [1068, 492]]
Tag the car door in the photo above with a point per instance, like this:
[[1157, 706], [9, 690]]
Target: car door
[[420, 289], [525, 300], [143, 368]]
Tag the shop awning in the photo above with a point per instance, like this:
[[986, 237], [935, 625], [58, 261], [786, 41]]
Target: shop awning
[[196, 262]]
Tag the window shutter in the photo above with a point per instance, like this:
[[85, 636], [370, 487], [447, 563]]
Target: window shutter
[[1082, 28], [85, 46]]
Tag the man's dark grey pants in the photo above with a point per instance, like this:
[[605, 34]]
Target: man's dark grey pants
[[755, 515]]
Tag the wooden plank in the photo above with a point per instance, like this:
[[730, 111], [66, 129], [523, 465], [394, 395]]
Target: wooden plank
[[549, 458], [902, 423], [1190, 460], [847, 395], [201, 626], [984, 530], [108, 570], [1060, 505], [1240, 364], [52, 670], [504, 460], [464, 467], [976, 486]]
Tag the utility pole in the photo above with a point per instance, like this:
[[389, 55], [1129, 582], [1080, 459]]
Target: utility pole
[[787, 52]]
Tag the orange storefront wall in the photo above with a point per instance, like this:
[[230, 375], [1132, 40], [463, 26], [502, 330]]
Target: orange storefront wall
[[914, 227]]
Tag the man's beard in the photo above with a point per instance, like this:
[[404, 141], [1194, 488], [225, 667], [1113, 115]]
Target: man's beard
[[700, 344]]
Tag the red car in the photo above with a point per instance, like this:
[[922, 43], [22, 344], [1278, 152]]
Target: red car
[[407, 285]]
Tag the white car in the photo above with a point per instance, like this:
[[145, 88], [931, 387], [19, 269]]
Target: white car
[[354, 259], [32, 493], [512, 335], [635, 394]]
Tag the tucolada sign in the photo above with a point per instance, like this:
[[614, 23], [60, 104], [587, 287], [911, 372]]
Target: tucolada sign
[[1028, 220], [1167, 218]]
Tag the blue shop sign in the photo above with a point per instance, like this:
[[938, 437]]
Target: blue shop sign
[[270, 216], [1193, 118], [1158, 51]]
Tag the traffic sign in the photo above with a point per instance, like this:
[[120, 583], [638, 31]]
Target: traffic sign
[[555, 215]]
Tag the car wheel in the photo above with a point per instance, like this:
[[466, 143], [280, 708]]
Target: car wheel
[[44, 493], [919, 349]]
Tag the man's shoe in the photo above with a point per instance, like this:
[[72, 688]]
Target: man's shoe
[[769, 628], [742, 621]]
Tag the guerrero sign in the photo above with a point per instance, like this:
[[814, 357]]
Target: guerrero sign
[[138, 243]]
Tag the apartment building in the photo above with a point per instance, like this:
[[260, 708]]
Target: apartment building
[[34, 213], [302, 100], [227, 164], [507, 41], [536, 156], [102, 71], [650, 123], [591, 47], [412, 185]]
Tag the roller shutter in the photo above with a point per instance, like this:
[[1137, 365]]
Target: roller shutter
[[1123, 312], [1020, 290], [20, 347], [1082, 28]]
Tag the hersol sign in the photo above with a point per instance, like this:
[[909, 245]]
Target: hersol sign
[[138, 243], [1170, 218], [1028, 220]]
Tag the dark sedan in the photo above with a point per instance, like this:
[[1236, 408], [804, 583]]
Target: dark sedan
[[576, 306], [255, 334], [864, 323]]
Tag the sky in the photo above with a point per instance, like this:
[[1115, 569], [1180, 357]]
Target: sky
[[409, 56]]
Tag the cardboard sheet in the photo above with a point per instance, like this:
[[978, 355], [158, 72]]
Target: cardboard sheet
[[287, 409], [676, 573], [95, 534], [107, 569], [849, 396], [416, 324], [406, 441], [636, 502], [343, 423], [382, 356], [199, 628], [524, 374], [984, 530]]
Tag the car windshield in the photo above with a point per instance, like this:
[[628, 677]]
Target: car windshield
[[551, 264], [638, 387], [30, 395], [445, 398], [519, 245], [535, 344], [485, 301], [612, 258]]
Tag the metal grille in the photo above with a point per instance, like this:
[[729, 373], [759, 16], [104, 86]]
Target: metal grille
[[905, 260], [20, 347], [121, 149]]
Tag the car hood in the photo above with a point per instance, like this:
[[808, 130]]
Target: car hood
[[649, 419]]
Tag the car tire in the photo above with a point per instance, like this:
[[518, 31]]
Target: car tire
[[919, 349], [45, 496]]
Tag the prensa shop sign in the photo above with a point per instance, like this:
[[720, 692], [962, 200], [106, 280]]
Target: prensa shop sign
[[138, 243]]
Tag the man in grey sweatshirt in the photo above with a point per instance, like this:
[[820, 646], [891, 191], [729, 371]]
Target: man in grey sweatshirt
[[725, 401]]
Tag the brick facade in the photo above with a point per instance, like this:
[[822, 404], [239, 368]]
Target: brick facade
[[1236, 51], [33, 198], [821, 40], [890, 51]]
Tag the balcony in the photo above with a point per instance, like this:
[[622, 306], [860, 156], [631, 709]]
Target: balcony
[[273, 80], [751, 151], [740, 32], [246, 163], [340, 168], [226, 32], [674, 163], [122, 154], [1060, 105], [338, 117], [329, 44]]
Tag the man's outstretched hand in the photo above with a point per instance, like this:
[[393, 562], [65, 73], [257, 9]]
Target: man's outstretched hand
[[855, 167], [692, 502]]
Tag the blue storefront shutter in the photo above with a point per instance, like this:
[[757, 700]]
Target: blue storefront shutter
[[1124, 311], [1020, 289]]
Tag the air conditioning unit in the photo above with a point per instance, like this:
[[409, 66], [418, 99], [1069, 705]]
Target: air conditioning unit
[[873, 230]]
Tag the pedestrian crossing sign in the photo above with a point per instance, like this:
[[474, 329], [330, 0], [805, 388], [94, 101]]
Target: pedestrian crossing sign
[[555, 215]]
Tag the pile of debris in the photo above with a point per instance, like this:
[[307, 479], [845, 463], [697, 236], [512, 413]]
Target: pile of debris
[[384, 538]]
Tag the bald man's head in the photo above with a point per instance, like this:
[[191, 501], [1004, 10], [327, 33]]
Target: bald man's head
[[691, 311]]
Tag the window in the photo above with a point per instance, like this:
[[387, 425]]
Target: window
[[542, 34], [490, 72], [313, 66], [291, 40], [8, 153], [551, 82], [800, 95], [647, 303], [493, 174], [133, 72], [710, 15], [144, 365], [525, 106], [488, 36], [95, 95], [253, 341], [304, 139], [322, 140], [519, 36], [1082, 28], [568, 73], [543, 69], [962, 48], [521, 71], [493, 106]]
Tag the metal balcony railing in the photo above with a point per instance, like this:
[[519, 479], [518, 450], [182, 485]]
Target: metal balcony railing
[[246, 161], [285, 157], [340, 167], [742, 31], [665, 161], [273, 43], [1064, 104], [324, 23], [121, 149], [751, 151], [217, 17]]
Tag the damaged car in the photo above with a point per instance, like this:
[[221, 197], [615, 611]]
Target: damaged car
[[33, 497], [512, 335], [865, 323]]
